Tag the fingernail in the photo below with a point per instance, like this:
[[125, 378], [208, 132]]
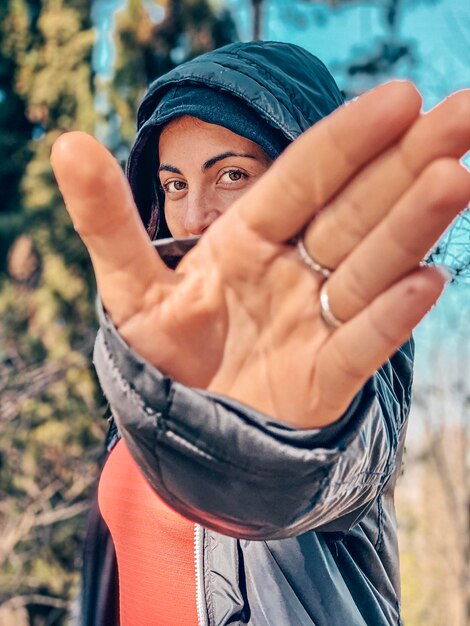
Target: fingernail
[[446, 272]]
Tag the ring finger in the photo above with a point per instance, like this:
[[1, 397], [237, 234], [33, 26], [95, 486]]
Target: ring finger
[[401, 240]]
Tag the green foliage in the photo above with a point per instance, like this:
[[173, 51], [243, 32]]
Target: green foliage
[[147, 49], [50, 434]]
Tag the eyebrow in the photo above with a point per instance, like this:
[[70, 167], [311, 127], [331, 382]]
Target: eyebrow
[[169, 168], [210, 162], [165, 167]]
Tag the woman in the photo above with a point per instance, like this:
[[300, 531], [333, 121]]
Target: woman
[[260, 390]]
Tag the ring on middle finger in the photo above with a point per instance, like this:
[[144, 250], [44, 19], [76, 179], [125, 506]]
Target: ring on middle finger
[[310, 262]]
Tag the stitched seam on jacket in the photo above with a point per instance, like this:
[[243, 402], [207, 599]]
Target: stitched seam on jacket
[[170, 497], [132, 393], [207, 578], [362, 473], [126, 386], [186, 444], [398, 609], [380, 515], [283, 88], [324, 500]]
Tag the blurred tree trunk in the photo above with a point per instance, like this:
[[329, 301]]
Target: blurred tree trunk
[[256, 6]]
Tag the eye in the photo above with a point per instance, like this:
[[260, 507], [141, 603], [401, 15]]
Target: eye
[[173, 186], [233, 175]]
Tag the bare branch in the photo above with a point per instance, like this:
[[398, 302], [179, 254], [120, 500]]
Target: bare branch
[[35, 598]]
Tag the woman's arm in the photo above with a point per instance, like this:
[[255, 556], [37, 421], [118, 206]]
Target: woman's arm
[[237, 471]]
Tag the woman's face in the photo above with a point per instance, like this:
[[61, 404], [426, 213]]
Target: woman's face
[[203, 169]]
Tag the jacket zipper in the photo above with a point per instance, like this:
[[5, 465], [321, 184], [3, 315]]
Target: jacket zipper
[[202, 619]]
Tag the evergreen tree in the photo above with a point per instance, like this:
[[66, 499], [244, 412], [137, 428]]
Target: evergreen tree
[[50, 405]]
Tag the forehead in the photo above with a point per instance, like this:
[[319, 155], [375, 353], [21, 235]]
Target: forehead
[[190, 133]]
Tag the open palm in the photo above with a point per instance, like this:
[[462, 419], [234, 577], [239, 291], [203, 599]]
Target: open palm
[[241, 314]]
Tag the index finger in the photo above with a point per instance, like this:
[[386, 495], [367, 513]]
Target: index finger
[[100, 203], [316, 166]]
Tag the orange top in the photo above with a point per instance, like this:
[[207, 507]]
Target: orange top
[[154, 547]]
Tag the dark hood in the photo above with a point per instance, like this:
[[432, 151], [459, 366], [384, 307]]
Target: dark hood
[[286, 86]]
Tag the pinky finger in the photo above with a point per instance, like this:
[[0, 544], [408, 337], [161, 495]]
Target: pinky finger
[[360, 347]]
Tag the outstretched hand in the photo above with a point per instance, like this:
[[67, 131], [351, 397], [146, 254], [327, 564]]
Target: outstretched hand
[[374, 184]]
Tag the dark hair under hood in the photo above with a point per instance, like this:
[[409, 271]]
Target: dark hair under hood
[[269, 92]]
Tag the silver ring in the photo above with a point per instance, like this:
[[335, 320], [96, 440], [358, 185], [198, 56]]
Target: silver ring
[[310, 262], [328, 317]]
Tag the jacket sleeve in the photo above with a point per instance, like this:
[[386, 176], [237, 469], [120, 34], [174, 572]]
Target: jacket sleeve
[[235, 470]]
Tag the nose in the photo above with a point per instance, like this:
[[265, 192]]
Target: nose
[[200, 213]]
